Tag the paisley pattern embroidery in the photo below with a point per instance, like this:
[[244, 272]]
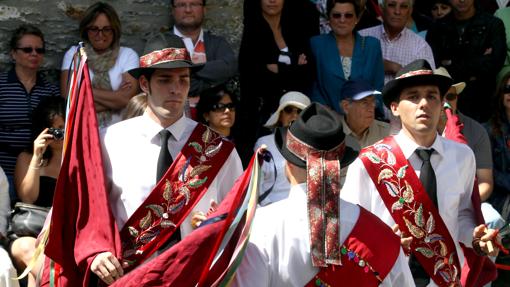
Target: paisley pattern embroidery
[[323, 186], [421, 225], [175, 197]]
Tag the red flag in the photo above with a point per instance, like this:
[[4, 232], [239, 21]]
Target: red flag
[[82, 224], [477, 271]]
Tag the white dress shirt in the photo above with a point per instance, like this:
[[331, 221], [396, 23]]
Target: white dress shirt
[[130, 151], [454, 166], [278, 253], [281, 184]]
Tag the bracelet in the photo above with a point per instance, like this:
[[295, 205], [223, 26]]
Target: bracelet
[[476, 247], [31, 167]]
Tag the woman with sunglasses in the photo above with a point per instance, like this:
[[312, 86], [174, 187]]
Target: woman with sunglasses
[[217, 109], [275, 185], [498, 128], [21, 90], [344, 54], [109, 62]]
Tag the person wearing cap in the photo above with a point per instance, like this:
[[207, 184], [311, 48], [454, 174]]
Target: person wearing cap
[[359, 101], [275, 185], [420, 183], [143, 190], [313, 238]]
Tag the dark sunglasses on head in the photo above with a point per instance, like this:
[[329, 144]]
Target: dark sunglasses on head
[[336, 15], [223, 107], [291, 109], [107, 30], [506, 89], [29, 50]]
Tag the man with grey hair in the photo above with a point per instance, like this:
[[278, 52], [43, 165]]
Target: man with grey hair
[[400, 46]]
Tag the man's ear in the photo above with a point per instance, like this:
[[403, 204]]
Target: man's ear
[[144, 84], [345, 106], [394, 109]]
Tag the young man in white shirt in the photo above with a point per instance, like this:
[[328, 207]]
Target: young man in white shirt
[[146, 199], [312, 237], [432, 215]]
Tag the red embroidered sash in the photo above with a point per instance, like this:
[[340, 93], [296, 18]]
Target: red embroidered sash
[[367, 259], [413, 211], [175, 195]]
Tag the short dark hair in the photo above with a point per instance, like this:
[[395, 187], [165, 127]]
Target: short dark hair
[[25, 29], [91, 14], [331, 3], [173, 1], [43, 116]]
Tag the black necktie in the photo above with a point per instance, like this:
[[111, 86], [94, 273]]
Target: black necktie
[[427, 174], [164, 162], [164, 159], [428, 180]]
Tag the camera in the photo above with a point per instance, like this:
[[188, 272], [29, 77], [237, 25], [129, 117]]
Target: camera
[[58, 134]]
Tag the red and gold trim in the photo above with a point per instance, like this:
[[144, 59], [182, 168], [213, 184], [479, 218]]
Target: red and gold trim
[[413, 211], [415, 73], [164, 56], [323, 188]]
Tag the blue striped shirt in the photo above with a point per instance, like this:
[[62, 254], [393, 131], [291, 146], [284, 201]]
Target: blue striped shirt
[[16, 106]]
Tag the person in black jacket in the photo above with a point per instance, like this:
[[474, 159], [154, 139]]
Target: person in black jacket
[[471, 45]]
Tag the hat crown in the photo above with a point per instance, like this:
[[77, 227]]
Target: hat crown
[[163, 42], [319, 127], [353, 89], [293, 96], [416, 65]]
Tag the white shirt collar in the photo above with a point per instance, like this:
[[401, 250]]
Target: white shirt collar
[[188, 42], [408, 146], [152, 128]]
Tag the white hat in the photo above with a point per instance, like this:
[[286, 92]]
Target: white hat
[[296, 99], [459, 87]]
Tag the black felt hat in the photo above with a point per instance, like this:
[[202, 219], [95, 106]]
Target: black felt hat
[[416, 73], [318, 127]]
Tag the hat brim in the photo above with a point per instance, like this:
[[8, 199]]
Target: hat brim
[[137, 72], [392, 89], [281, 134], [273, 119]]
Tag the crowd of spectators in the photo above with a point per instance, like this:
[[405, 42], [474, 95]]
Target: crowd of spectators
[[293, 52]]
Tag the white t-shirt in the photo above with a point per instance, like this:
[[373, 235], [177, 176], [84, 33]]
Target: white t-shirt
[[128, 59]]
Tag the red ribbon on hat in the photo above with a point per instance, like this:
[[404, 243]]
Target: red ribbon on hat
[[415, 73], [163, 56], [323, 192]]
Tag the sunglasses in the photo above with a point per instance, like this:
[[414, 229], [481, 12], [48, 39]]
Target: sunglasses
[[221, 108], [107, 30], [506, 89], [337, 16], [290, 110], [29, 50]]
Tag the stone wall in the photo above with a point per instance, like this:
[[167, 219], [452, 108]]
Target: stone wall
[[59, 22]]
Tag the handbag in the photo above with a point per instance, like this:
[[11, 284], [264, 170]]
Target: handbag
[[26, 220]]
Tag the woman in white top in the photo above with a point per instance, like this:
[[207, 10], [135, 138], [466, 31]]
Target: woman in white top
[[276, 187], [100, 29]]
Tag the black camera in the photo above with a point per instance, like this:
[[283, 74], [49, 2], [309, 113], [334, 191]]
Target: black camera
[[57, 134]]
